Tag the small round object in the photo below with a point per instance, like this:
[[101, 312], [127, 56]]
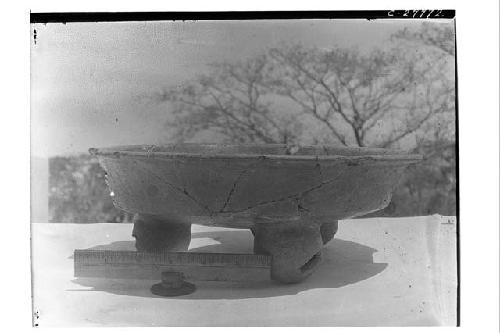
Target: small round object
[[172, 284]]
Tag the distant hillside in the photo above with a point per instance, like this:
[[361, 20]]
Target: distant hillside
[[78, 192]]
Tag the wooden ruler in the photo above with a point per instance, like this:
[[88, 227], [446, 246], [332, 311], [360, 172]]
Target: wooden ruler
[[194, 265]]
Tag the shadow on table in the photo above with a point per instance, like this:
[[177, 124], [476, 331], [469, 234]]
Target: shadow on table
[[344, 263]]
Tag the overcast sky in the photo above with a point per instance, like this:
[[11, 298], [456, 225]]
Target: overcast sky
[[90, 82]]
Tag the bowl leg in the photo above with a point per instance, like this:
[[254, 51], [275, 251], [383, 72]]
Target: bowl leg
[[295, 249], [153, 234], [328, 231]]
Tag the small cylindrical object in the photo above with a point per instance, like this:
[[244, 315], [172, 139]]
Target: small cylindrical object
[[172, 284]]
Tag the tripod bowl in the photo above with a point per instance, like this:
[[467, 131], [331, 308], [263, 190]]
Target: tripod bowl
[[239, 185]]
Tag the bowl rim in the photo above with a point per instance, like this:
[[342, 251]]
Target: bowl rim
[[147, 151]]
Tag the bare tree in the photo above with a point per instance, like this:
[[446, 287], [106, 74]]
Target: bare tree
[[364, 100], [435, 46], [232, 101], [378, 98], [430, 187], [439, 36]]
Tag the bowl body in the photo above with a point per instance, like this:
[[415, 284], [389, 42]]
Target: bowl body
[[240, 185]]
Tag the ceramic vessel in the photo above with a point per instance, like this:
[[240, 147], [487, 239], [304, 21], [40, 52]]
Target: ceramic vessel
[[290, 197]]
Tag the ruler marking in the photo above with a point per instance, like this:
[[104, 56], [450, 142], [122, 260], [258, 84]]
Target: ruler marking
[[171, 258], [195, 265]]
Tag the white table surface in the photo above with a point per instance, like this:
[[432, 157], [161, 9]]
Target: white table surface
[[376, 272]]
